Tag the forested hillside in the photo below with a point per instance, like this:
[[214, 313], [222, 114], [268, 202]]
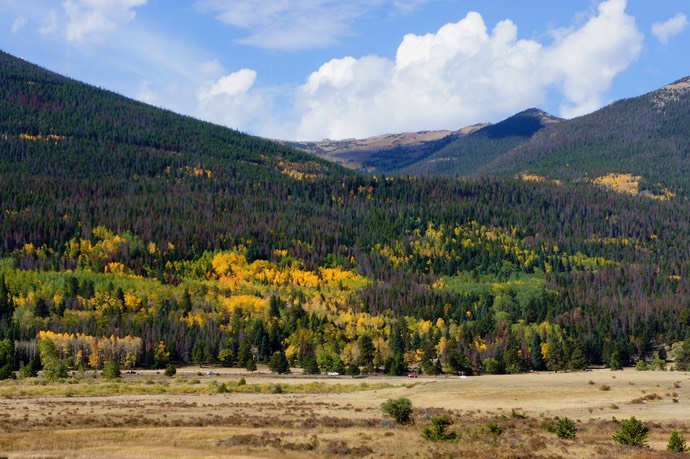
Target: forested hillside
[[134, 235], [647, 137]]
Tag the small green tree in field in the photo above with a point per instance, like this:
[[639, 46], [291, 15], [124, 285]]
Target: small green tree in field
[[681, 361], [279, 363], [676, 443], [439, 430], [53, 366], [111, 370], [399, 409], [565, 428], [632, 432], [6, 358], [170, 371]]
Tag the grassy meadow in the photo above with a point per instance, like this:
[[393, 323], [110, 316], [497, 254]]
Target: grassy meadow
[[194, 414]]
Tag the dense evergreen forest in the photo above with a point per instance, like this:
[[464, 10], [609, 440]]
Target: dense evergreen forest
[[135, 235]]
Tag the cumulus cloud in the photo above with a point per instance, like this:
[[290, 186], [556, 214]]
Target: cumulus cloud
[[231, 85], [464, 73], [585, 61], [664, 31], [296, 25], [232, 100], [90, 19]]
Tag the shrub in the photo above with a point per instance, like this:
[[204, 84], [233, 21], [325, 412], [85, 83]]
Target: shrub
[[518, 414], [658, 365], [632, 432], [565, 428], [438, 430], [111, 370], [494, 428], [676, 443], [492, 366], [399, 409], [30, 370], [352, 369], [242, 381], [170, 371]]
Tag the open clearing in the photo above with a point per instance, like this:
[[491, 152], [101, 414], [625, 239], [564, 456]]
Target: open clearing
[[150, 416]]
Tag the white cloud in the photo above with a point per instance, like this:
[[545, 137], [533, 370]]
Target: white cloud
[[464, 73], [18, 24], [296, 25], [585, 61], [232, 85], [664, 31], [91, 19], [50, 25], [232, 100]]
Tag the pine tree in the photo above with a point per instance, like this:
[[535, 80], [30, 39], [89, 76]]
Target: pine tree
[[676, 443], [535, 356], [279, 363], [5, 298]]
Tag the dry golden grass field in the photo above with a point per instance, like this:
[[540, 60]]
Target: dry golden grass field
[[195, 415]]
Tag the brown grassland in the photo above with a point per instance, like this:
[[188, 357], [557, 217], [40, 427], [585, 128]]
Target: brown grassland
[[193, 415]]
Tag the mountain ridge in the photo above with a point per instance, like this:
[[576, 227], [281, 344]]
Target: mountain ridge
[[646, 136]]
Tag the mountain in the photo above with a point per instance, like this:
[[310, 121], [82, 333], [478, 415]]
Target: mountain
[[449, 153], [465, 156], [646, 139], [385, 153], [182, 241], [75, 156]]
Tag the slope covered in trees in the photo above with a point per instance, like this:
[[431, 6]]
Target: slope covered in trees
[[646, 136], [133, 234]]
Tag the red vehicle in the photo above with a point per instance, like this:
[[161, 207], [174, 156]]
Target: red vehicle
[[412, 375]]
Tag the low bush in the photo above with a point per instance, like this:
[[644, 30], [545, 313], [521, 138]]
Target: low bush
[[439, 430], [494, 428], [565, 428], [399, 409]]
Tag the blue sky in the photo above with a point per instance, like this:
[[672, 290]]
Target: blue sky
[[314, 69]]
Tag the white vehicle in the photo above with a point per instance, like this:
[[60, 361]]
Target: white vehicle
[[333, 373]]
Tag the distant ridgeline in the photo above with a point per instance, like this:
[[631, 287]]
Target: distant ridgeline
[[135, 235]]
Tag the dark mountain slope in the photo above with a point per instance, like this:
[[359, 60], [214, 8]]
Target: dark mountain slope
[[466, 155], [647, 136], [74, 156], [499, 260]]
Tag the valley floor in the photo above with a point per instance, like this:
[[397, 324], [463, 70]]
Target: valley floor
[[148, 415]]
